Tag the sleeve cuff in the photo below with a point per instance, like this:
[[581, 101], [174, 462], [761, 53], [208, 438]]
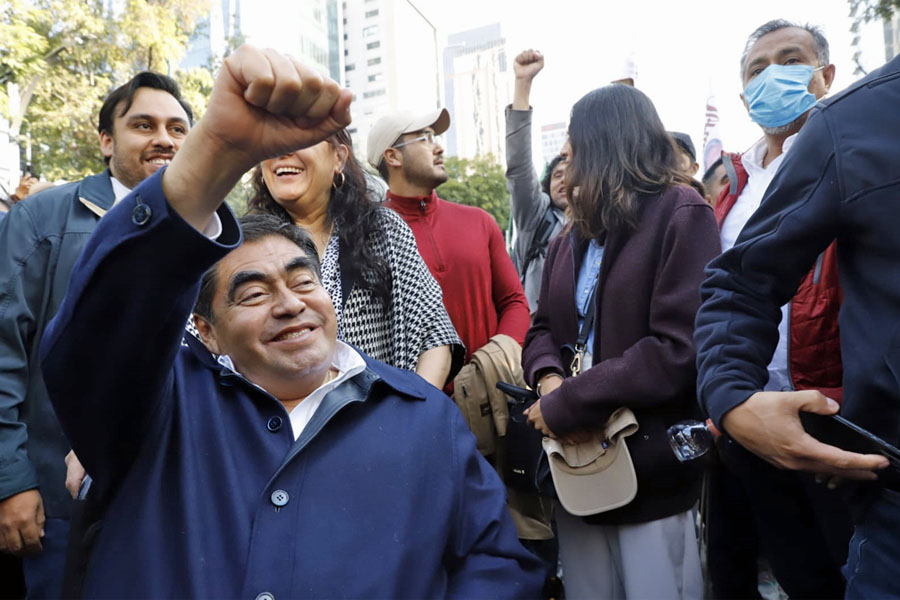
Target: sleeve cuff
[[214, 227], [720, 399], [540, 364], [555, 411], [16, 477]]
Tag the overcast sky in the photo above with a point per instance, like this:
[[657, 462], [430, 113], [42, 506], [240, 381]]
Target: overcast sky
[[685, 50]]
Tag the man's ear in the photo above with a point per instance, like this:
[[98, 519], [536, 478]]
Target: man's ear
[[828, 76], [106, 144], [695, 168], [393, 157], [744, 101], [207, 334]]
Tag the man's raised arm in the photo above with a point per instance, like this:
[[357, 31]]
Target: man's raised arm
[[109, 352]]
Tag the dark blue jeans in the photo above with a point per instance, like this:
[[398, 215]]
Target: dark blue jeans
[[44, 571], [874, 559]]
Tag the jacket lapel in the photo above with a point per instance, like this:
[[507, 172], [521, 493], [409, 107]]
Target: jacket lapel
[[96, 193]]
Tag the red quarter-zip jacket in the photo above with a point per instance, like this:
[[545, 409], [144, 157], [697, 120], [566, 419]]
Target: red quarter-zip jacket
[[464, 250]]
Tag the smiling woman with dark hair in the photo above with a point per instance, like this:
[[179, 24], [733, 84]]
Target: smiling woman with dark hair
[[633, 256], [387, 303]]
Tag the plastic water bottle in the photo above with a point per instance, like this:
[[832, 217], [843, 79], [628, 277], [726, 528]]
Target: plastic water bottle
[[692, 439]]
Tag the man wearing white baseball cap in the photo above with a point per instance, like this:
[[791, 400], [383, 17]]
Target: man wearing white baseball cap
[[462, 245]]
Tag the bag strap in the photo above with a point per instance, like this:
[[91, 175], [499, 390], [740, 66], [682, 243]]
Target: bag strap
[[586, 326], [541, 237]]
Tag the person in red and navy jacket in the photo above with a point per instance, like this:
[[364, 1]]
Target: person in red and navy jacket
[[803, 528]]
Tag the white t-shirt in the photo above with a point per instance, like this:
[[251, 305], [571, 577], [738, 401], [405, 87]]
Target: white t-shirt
[[758, 181]]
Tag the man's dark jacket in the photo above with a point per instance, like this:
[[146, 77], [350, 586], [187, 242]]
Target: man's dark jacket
[[209, 496], [643, 341], [814, 344], [840, 182], [39, 242]]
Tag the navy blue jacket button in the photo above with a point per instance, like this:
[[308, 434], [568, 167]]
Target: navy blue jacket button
[[274, 424], [141, 214], [265, 596], [280, 497]]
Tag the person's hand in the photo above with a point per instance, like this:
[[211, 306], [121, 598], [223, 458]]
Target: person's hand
[[24, 187], [536, 419], [263, 104], [75, 474], [528, 64], [266, 104], [22, 523], [546, 384], [768, 424]]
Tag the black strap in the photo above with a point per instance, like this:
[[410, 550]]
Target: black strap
[[588, 318], [586, 326], [541, 237], [731, 171]]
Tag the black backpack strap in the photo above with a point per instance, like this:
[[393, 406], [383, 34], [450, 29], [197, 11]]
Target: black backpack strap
[[540, 240], [732, 174]]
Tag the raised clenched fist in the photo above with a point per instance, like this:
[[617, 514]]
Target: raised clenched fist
[[528, 64]]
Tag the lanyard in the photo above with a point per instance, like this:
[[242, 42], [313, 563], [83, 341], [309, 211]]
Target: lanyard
[[586, 325]]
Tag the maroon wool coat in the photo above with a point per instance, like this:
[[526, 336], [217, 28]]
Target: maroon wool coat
[[644, 355]]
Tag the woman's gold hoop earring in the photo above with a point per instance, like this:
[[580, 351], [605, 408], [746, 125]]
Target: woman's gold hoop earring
[[334, 182]]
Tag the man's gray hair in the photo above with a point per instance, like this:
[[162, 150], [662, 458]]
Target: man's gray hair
[[819, 41]]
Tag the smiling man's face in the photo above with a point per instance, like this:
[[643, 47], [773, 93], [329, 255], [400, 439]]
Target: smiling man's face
[[146, 137], [272, 317]]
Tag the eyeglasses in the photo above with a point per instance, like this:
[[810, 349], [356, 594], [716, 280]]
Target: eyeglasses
[[425, 137]]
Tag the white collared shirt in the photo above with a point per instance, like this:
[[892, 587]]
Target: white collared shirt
[[348, 363], [213, 228], [758, 180]]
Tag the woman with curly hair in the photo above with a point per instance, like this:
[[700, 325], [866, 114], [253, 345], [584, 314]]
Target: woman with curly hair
[[387, 303]]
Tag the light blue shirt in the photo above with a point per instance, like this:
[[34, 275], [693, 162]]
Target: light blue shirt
[[587, 281]]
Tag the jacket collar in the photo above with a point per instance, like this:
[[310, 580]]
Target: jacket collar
[[413, 205], [397, 380], [96, 193]]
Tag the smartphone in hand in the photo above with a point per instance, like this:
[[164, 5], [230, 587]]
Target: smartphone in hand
[[835, 430]]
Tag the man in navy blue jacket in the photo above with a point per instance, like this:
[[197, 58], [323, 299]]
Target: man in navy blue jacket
[[290, 465], [840, 182]]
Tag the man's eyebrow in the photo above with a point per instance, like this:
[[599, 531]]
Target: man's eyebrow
[[243, 277], [750, 64], [300, 263], [790, 50], [149, 117]]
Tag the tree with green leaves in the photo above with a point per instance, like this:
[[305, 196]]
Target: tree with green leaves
[[865, 11], [60, 58], [479, 182]]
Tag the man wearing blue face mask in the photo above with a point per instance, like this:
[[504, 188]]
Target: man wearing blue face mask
[[803, 528]]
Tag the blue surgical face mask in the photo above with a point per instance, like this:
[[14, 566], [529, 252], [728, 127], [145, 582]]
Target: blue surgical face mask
[[779, 94]]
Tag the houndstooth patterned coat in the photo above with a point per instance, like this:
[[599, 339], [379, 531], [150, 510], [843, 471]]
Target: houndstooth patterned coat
[[417, 320]]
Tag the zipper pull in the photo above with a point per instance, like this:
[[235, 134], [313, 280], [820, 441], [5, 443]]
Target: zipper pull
[[422, 205]]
